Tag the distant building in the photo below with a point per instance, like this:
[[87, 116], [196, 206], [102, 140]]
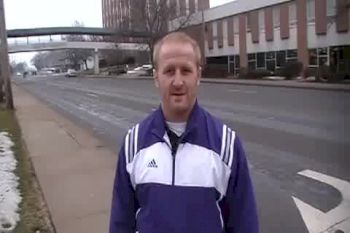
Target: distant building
[[124, 14], [266, 34]]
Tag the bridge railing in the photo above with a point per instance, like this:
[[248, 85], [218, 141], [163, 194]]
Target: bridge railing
[[48, 39], [33, 40]]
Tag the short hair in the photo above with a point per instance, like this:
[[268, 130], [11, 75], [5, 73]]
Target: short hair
[[177, 37]]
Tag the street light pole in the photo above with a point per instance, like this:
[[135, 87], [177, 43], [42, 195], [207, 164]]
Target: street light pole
[[4, 59]]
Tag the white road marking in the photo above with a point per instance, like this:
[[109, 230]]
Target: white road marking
[[242, 91], [338, 218]]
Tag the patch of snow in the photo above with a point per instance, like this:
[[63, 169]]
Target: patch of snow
[[274, 78], [311, 78], [9, 193]]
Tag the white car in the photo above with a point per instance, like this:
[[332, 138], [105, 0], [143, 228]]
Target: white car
[[71, 73], [141, 70]]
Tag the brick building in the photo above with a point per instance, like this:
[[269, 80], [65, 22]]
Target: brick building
[[265, 34]]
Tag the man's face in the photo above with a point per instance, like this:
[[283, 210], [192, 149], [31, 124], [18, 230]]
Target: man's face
[[177, 77]]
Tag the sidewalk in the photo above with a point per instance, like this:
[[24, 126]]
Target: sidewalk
[[268, 83], [75, 172]]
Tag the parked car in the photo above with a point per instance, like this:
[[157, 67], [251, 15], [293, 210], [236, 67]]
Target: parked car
[[71, 73], [116, 70], [144, 70]]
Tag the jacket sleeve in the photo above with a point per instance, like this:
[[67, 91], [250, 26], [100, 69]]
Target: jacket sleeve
[[238, 206], [124, 204]]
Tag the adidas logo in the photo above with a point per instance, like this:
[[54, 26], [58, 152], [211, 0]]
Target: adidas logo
[[152, 163]]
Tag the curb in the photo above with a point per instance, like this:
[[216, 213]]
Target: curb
[[266, 83], [318, 86]]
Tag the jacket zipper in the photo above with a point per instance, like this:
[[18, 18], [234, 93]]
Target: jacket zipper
[[173, 153], [173, 180]]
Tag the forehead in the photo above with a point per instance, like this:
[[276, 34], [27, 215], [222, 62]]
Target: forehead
[[176, 50]]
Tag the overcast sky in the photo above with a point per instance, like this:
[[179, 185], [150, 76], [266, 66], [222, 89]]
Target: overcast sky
[[55, 13]]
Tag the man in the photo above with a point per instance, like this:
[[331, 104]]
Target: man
[[181, 170]]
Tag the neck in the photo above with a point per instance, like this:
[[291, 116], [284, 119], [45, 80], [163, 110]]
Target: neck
[[176, 116]]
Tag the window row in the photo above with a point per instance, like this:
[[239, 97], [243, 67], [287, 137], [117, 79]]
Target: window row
[[271, 60]]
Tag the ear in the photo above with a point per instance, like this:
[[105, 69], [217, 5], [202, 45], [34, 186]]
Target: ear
[[155, 76]]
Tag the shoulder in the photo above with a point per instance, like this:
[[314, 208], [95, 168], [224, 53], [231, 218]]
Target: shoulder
[[138, 136], [131, 142], [221, 137]]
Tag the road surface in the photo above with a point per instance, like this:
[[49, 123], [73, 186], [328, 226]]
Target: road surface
[[296, 140]]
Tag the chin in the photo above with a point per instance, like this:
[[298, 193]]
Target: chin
[[180, 107]]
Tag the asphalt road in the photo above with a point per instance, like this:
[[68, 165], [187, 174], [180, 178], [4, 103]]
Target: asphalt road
[[285, 131]]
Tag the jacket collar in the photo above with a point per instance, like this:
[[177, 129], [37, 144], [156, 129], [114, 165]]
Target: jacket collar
[[159, 122]]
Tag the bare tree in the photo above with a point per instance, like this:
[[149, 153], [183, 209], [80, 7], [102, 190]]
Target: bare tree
[[76, 56], [39, 60], [156, 18], [18, 67], [48, 59], [95, 38]]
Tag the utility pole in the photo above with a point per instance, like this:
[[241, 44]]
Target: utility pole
[[1, 87], [2, 96], [4, 59]]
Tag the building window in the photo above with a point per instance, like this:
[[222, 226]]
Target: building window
[[270, 55], [231, 64], [281, 58], [252, 61], [271, 65], [251, 56], [323, 56], [231, 59], [270, 61], [237, 64], [318, 57], [322, 52], [322, 61], [313, 57], [310, 10], [217, 60], [260, 58], [251, 65], [292, 55], [218, 63]]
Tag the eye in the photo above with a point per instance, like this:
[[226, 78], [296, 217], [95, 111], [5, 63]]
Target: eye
[[186, 71], [168, 71]]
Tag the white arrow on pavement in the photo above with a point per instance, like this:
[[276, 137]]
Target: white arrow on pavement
[[317, 221]]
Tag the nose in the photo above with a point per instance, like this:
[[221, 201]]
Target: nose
[[178, 81]]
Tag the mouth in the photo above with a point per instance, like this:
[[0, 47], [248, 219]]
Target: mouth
[[177, 94]]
